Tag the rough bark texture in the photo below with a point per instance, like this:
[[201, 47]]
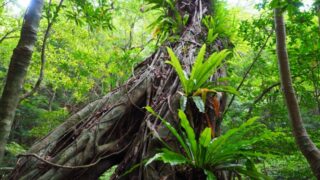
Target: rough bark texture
[[43, 51], [17, 70], [116, 130], [307, 147]]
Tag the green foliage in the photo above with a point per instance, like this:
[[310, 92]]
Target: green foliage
[[201, 70], [220, 23], [169, 21], [196, 83], [292, 166], [84, 65], [107, 175], [81, 65], [291, 6], [303, 49], [96, 14], [47, 121], [15, 148], [232, 151]]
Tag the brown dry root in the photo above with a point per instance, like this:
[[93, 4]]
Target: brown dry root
[[116, 130]]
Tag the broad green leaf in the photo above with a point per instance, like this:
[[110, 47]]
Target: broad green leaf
[[228, 89], [178, 68], [169, 157], [199, 103], [205, 137], [196, 68], [220, 143], [210, 175], [211, 38], [171, 129], [209, 67], [252, 173], [170, 4], [156, 157], [189, 130]]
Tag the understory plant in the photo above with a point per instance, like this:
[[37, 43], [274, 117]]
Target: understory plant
[[169, 21], [196, 85], [234, 151]]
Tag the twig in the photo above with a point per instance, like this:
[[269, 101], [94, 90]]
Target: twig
[[7, 34], [6, 168], [264, 92], [248, 71]]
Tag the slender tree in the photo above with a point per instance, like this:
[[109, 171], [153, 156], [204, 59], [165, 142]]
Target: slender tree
[[19, 63], [305, 144]]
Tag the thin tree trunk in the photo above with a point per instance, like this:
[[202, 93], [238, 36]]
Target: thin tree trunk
[[19, 63], [305, 144], [43, 51]]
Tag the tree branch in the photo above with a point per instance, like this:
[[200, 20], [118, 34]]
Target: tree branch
[[6, 168], [6, 35], [248, 71], [263, 93]]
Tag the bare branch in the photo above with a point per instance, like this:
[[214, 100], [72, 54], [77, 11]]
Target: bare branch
[[248, 70], [6, 35], [263, 93]]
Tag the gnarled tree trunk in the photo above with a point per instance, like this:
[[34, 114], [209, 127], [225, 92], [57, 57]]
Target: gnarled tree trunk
[[116, 130]]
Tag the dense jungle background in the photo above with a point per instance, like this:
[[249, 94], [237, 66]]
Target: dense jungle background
[[89, 51]]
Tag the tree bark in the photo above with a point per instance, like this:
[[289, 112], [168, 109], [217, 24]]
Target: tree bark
[[17, 70], [116, 130], [305, 144], [43, 51]]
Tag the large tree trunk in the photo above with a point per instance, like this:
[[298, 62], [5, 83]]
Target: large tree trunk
[[305, 144], [17, 71], [115, 130]]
